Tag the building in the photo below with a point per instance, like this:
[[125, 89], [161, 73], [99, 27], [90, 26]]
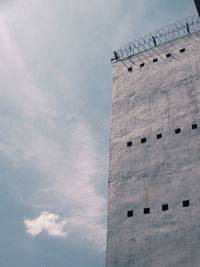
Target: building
[[154, 177], [197, 3]]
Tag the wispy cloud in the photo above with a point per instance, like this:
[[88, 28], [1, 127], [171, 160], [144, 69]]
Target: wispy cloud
[[57, 142]]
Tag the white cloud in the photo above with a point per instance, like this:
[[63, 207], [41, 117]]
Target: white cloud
[[48, 222], [54, 226]]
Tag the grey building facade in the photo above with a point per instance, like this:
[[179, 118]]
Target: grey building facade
[[197, 3], [154, 176]]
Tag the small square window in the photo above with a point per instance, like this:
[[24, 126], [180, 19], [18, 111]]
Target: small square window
[[177, 131], [159, 136], [182, 50], [143, 140], [129, 143], [146, 210], [168, 55], [130, 69], [186, 203], [165, 207], [194, 126], [130, 213], [155, 60], [141, 65]]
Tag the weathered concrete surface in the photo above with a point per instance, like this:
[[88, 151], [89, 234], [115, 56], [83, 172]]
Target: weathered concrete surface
[[157, 98]]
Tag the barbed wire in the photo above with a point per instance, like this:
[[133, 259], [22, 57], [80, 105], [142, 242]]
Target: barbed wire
[[161, 36]]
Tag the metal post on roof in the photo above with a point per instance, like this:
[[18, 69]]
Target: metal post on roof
[[154, 40], [116, 56], [188, 28]]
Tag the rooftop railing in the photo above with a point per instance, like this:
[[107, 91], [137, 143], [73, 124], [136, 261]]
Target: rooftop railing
[[161, 36]]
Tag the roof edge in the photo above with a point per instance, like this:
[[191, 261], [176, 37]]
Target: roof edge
[[159, 37]]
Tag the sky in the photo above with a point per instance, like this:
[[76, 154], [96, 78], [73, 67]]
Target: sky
[[55, 115]]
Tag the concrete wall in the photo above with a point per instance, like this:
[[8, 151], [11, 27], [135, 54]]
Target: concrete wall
[[157, 98]]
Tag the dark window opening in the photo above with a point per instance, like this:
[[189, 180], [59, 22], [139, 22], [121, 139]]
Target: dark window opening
[[182, 50], [194, 126], [186, 203], [129, 143], [141, 65], [155, 60], [130, 213], [168, 55], [146, 210], [177, 131], [165, 207], [130, 69], [143, 140], [159, 136]]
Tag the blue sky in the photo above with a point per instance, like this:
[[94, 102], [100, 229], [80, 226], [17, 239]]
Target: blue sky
[[55, 111]]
